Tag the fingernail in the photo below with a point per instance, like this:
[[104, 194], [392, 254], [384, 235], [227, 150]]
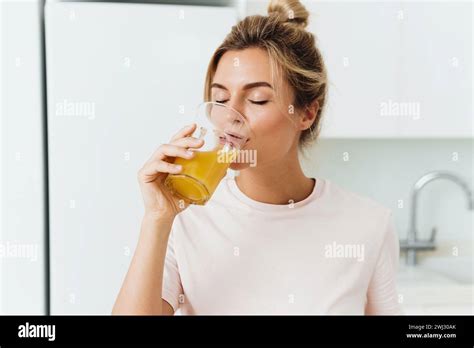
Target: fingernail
[[189, 153], [177, 167]]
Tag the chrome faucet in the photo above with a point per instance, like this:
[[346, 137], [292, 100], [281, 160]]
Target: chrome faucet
[[413, 244]]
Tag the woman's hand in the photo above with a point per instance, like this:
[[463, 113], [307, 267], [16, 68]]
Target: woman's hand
[[158, 200]]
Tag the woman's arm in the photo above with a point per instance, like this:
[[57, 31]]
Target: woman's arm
[[142, 287]]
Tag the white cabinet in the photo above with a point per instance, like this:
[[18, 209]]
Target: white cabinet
[[22, 179], [359, 42], [396, 69], [120, 78], [436, 68]]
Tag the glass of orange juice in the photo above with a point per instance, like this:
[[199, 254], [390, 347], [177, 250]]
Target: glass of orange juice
[[225, 132]]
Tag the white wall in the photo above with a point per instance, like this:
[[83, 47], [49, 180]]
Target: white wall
[[21, 160], [386, 171]]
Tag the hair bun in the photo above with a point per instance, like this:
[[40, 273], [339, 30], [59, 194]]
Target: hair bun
[[289, 11]]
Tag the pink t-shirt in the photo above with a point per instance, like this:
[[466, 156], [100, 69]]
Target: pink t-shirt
[[334, 252]]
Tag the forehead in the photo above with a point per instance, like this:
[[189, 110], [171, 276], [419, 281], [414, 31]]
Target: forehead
[[237, 68]]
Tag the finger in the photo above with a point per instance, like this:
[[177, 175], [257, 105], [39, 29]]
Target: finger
[[184, 132], [165, 150], [151, 170], [176, 151], [189, 142]]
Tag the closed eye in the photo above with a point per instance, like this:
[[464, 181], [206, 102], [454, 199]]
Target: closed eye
[[261, 102]]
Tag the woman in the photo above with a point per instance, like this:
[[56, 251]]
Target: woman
[[270, 241]]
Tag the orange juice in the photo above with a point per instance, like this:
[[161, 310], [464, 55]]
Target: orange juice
[[200, 175]]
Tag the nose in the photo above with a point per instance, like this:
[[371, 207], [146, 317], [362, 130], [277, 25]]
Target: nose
[[236, 106], [232, 118]]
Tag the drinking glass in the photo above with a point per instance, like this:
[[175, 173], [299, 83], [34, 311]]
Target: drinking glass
[[225, 132]]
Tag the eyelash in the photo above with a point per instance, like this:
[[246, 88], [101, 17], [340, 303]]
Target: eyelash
[[253, 102]]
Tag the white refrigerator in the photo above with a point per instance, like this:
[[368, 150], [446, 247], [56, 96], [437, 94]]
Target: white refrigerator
[[120, 79]]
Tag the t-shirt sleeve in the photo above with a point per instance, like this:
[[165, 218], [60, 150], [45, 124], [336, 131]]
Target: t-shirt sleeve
[[172, 288], [382, 296]]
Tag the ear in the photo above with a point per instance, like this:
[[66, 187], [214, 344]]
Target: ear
[[309, 115]]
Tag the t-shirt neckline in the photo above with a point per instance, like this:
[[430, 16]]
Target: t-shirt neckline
[[268, 207]]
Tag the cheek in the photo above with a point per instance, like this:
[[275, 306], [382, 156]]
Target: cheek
[[273, 137], [272, 128]]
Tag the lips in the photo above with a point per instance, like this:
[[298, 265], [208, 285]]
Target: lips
[[233, 135], [233, 138]]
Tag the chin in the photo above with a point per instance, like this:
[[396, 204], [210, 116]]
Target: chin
[[239, 166]]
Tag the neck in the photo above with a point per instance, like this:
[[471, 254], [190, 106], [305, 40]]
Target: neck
[[280, 182]]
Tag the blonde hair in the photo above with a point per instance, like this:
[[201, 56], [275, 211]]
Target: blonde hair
[[292, 51]]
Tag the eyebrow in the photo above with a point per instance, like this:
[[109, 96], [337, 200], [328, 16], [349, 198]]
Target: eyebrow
[[247, 86]]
